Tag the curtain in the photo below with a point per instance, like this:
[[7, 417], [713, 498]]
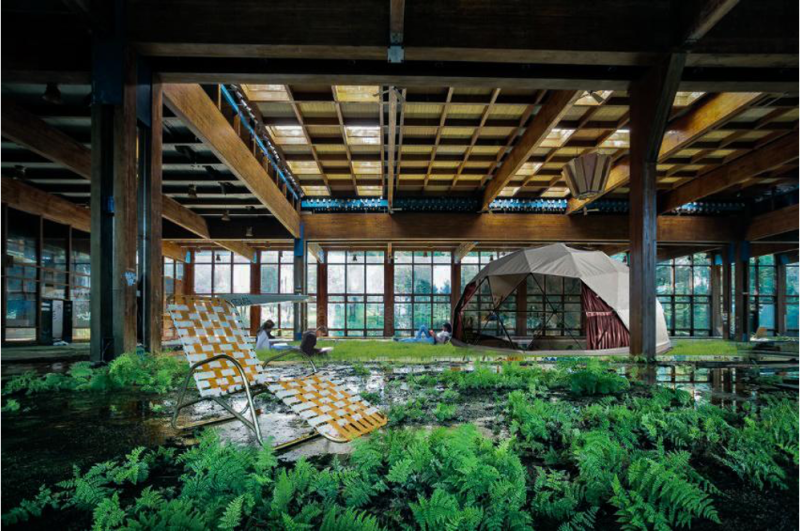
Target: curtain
[[604, 329]]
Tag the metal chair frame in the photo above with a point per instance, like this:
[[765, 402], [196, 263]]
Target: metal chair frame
[[250, 393]]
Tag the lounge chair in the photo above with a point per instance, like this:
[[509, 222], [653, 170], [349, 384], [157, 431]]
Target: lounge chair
[[223, 364]]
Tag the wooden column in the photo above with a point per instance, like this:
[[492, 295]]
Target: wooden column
[[188, 274], [651, 103], [255, 288], [455, 291], [716, 297], [114, 227], [780, 295], [4, 229], [727, 294], [388, 296], [741, 292], [151, 260], [322, 294]]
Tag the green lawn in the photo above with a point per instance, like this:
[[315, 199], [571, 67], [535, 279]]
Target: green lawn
[[381, 350]]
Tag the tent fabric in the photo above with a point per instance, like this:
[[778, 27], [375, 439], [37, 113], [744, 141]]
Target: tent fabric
[[604, 329], [607, 277]]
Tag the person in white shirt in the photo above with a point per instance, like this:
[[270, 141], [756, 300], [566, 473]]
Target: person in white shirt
[[426, 336]]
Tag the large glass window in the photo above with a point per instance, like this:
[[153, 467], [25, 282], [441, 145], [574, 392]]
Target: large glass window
[[311, 290], [277, 276], [80, 291], [21, 276], [355, 293], [221, 272], [791, 287], [422, 283], [763, 293], [683, 286]]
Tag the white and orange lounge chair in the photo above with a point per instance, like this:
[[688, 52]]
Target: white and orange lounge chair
[[223, 364]]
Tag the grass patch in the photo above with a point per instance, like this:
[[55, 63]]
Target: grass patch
[[357, 350], [705, 347]]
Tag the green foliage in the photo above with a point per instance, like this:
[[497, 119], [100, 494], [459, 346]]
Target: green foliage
[[146, 372], [11, 406], [661, 495], [360, 370], [585, 377], [444, 412]]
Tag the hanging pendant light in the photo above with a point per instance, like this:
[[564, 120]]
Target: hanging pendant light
[[52, 94], [587, 174], [226, 216]]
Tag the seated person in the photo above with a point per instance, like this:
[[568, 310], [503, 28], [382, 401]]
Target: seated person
[[309, 342], [264, 335], [426, 336]]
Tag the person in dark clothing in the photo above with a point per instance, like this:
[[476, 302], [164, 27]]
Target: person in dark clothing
[[308, 344]]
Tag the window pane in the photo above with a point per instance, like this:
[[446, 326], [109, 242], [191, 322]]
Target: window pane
[[287, 279], [222, 278], [683, 280], [375, 279], [402, 279], [468, 272], [441, 279], [702, 280], [355, 278], [375, 316], [422, 315], [792, 280], [336, 315], [311, 278], [202, 278], [269, 257], [422, 279], [336, 278], [241, 278], [269, 278], [402, 317], [355, 315]]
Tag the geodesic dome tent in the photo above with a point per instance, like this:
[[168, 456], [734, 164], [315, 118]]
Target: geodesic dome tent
[[601, 281]]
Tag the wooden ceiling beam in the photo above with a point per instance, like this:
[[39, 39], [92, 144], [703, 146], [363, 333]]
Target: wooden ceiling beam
[[463, 250], [681, 133], [201, 115], [174, 251], [26, 198], [771, 156], [773, 223], [45, 140], [553, 110], [238, 247], [493, 227], [711, 12]]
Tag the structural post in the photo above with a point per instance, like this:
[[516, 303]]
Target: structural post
[[299, 283], [727, 293], [455, 291], [151, 261], [780, 294], [388, 295], [322, 294], [651, 103], [716, 296], [255, 288], [741, 291], [114, 227]]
